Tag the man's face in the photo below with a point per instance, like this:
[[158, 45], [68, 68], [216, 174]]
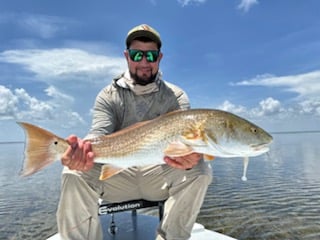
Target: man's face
[[143, 72]]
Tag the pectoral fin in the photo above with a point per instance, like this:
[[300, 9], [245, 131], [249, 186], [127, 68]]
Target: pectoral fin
[[108, 171], [177, 149], [208, 157]]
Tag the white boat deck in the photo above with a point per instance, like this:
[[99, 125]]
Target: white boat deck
[[143, 227]]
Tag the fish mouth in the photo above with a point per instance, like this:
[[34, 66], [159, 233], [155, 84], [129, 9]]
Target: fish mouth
[[260, 147]]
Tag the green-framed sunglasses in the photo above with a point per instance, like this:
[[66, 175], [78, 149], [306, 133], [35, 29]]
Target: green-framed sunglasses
[[137, 55]]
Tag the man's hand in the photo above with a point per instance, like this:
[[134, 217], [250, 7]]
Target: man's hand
[[184, 162], [79, 155]]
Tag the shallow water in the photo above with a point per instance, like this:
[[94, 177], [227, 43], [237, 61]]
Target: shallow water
[[27, 205], [280, 200]]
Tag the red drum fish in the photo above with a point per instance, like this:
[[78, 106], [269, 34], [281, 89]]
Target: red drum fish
[[208, 131]]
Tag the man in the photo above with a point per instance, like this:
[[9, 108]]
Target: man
[[138, 94]]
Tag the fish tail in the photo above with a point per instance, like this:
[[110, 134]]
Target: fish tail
[[40, 148]]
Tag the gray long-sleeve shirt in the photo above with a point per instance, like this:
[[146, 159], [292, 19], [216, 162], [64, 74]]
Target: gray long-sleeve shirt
[[117, 106]]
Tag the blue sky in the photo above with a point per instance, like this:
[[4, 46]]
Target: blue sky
[[256, 58]]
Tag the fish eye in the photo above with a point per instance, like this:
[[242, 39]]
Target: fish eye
[[55, 142], [254, 130]]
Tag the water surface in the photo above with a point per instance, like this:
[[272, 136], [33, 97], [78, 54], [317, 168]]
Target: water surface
[[280, 200]]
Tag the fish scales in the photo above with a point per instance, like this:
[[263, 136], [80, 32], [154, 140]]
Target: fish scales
[[150, 138], [207, 131]]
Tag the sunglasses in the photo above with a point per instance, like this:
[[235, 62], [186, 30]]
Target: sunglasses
[[137, 55]]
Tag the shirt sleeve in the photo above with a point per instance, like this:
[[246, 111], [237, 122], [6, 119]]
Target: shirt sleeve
[[104, 118], [181, 96], [183, 100], [113, 107]]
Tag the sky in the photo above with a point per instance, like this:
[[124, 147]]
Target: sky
[[256, 58]]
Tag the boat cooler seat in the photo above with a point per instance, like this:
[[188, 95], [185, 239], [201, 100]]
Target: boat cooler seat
[[132, 205]]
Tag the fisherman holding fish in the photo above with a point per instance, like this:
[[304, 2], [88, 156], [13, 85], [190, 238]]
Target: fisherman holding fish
[[140, 147], [139, 94]]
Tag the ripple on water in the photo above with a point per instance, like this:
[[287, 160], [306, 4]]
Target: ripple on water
[[280, 200], [277, 207]]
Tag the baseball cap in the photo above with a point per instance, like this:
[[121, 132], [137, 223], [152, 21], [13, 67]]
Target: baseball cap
[[143, 30]]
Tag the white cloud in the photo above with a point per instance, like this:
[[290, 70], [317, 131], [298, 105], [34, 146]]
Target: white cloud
[[189, 2], [71, 80], [31, 107], [266, 108], [56, 94], [310, 107], [65, 64], [42, 26], [270, 106], [306, 84], [245, 5], [8, 103], [230, 107], [302, 112], [272, 114], [19, 105]]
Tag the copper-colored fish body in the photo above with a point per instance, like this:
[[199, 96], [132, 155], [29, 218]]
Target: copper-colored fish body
[[208, 131]]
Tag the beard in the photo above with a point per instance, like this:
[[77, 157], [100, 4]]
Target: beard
[[143, 80]]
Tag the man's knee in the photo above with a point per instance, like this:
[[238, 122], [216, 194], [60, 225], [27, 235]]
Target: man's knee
[[203, 173], [205, 179]]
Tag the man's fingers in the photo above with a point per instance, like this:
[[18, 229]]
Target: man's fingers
[[72, 139], [173, 163], [184, 162], [66, 157], [79, 155], [89, 163]]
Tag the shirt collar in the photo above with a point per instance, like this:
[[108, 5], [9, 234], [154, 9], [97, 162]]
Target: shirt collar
[[127, 82]]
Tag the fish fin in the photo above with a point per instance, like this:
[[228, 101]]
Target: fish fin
[[41, 148], [177, 149], [109, 170], [208, 157]]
